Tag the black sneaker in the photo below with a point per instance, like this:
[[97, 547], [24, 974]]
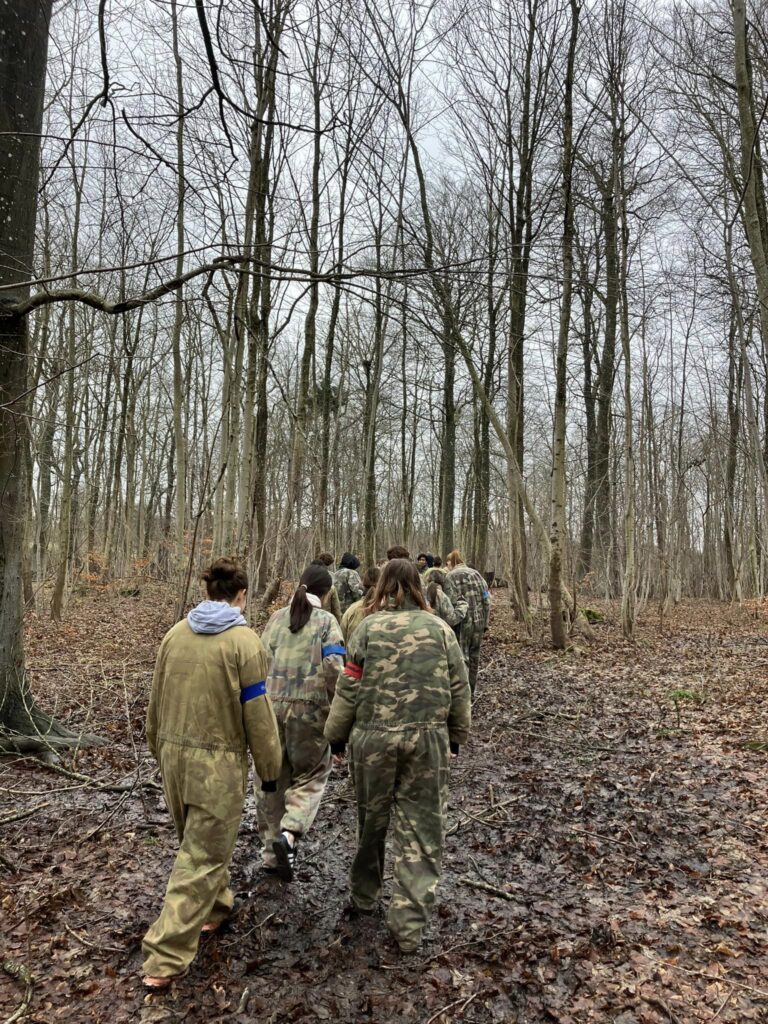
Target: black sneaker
[[286, 857]]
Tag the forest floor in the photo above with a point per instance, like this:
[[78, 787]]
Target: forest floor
[[606, 860]]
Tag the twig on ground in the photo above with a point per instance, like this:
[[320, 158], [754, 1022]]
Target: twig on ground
[[596, 835], [723, 1005], [92, 945], [474, 884], [464, 1001], [725, 979], [661, 1005], [24, 814]]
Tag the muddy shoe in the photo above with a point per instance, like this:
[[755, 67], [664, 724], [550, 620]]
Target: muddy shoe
[[285, 854], [352, 912]]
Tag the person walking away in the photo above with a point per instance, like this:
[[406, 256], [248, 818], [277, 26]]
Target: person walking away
[[471, 599], [306, 654], [353, 616], [347, 581], [207, 707], [436, 567], [402, 702], [331, 599], [438, 600]]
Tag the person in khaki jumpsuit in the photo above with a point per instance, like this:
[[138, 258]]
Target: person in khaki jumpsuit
[[401, 702], [208, 706]]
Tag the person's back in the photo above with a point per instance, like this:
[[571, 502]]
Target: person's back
[[347, 581], [298, 665], [400, 650], [401, 702], [464, 582]]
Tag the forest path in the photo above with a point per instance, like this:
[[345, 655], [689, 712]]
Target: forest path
[[603, 862]]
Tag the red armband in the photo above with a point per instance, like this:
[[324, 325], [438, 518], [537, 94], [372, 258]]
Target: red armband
[[353, 671]]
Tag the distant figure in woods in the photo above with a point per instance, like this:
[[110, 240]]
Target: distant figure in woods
[[207, 707], [471, 600], [424, 562], [347, 581], [306, 653], [353, 616], [331, 599], [402, 699]]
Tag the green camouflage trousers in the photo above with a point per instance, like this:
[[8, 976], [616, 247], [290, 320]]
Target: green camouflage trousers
[[204, 792], [469, 641], [405, 772], [303, 778]]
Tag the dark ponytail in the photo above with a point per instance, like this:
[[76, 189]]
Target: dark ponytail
[[314, 580]]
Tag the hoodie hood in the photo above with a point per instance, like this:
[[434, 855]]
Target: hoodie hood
[[214, 617], [348, 561]]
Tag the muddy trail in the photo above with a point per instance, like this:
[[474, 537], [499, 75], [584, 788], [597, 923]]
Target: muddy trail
[[606, 857]]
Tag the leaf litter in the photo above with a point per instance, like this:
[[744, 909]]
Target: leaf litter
[[606, 857]]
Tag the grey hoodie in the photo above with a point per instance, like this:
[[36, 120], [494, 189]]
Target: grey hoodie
[[214, 617]]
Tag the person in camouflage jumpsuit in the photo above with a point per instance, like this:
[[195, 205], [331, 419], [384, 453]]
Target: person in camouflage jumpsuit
[[306, 652], [402, 702], [347, 581], [471, 599], [208, 705], [330, 601], [439, 601], [355, 614]]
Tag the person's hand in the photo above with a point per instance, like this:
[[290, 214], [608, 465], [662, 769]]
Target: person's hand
[[339, 760]]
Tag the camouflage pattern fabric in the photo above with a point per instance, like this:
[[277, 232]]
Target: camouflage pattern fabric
[[348, 586], [443, 607], [467, 589], [204, 793], [305, 665], [303, 778], [352, 618], [402, 696], [407, 774], [301, 682], [330, 603]]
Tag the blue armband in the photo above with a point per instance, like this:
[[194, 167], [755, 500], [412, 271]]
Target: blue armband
[[486, 593], [254, 690], [333, 649]]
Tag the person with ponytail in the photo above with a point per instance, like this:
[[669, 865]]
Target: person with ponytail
[[207, 708], [402, 703], [306, 652]]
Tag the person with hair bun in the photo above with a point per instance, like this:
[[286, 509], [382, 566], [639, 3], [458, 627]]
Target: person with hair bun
[[306, 651], [331, 601], [207, 708], [402, 703]]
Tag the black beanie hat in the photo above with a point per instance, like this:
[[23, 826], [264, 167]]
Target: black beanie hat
[[348, 561]]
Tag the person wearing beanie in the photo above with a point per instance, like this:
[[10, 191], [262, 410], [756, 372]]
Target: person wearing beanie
[[347, 581], [207, 708]]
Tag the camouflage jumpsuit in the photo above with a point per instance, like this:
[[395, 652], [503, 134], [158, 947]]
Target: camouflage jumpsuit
[[348, 586], [352, 618], [402, 697], [301, 680], [331, 603], [469, 593], [207, 703]]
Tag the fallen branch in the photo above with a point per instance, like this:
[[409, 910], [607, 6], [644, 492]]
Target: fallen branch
[[450, 1006], [24, 814], [92, 945], [726, 979], [20, 973]]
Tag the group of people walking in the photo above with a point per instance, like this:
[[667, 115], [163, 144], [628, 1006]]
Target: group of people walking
[[374, 668]]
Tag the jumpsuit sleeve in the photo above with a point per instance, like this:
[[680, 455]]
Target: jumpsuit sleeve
[[341, 717], [460, 715], [333, 653], [152, 723], [356, 586], [259, 716], [444, 608], [345, 624], [460, 606]]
